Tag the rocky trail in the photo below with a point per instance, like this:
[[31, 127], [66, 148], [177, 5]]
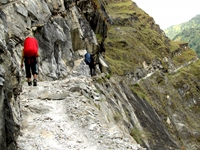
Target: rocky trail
[[63, 115]]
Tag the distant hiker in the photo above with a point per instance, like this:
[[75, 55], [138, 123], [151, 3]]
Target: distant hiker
[[90, 61], [29, 57]]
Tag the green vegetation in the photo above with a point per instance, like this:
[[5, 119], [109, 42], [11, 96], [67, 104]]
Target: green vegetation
[[172, 31], [172, 94], [177, 29], [97, 106], [184, 57], [187, 76], [139, 91], [191, 36], [158, 89], [187, 32], [100, 80], [108, 76], [117, 117], [99, 37], [120, 9], [174, 46], [139, 136], [134, 38]]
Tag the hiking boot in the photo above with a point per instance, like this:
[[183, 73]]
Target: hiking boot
[[29, 83], [34, 82]]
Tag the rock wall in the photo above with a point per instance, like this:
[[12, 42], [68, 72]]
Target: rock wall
[[63, 34], [135, 114], [9, 100], [60, 27]]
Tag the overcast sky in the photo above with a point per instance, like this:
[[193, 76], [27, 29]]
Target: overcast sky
[[170, 12]]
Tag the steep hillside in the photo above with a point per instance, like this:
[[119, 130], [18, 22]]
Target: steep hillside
[[136, 48], [134, 40], [191, 36], [175, 97], [186, 32], [172, 31]]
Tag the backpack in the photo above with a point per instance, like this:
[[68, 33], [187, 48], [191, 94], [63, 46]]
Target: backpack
[[30, 47], [87, 58]]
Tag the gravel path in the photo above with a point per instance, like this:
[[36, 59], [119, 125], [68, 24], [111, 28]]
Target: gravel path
[[61, 115]]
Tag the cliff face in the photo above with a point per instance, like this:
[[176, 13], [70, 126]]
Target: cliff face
[[154, 96], [63, 35]]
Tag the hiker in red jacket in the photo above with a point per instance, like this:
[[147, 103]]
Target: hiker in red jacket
[[29, 57]]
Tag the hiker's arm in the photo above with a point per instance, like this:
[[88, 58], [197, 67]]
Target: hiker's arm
[[38, 54], [39, 59], [22, 59]]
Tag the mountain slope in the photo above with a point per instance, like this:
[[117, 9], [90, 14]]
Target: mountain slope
[[172, 31], [135, 48], [133, 39], [186, 32], [191, 36]]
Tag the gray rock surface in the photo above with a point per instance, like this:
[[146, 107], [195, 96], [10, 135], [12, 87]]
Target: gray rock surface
[[57, 115]]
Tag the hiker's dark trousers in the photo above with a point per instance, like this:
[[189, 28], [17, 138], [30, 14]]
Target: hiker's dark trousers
[[92, 69], [31, 66]]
